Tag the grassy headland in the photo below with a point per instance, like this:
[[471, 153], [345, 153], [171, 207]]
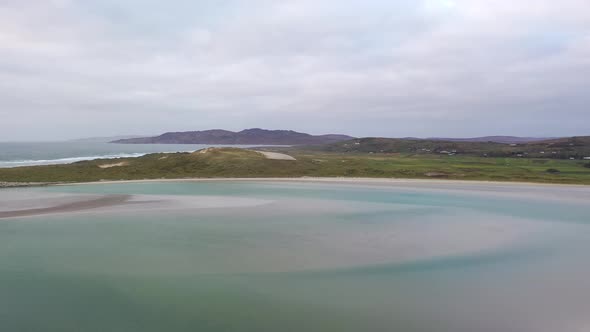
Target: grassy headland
[[234, 163], [562, 148]]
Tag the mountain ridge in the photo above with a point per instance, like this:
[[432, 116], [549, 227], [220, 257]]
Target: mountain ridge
[[245, 137], [290, 137]]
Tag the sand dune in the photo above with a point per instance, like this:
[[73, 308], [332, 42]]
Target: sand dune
[[276, 155], [123, 163]]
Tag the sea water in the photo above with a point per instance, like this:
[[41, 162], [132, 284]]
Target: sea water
[[47, 153], [302, 257]]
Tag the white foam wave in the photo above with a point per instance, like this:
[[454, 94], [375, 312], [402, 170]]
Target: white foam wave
[[69, 160]]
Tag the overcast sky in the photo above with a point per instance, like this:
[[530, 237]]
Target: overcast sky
[[457, 68]]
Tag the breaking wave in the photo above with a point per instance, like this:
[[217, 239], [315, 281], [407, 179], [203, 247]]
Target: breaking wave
[[19, 163]]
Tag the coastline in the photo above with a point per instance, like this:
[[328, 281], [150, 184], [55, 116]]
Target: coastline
[[27, 184], [351, 180]]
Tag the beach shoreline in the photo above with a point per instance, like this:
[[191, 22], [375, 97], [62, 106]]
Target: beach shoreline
[[307, 179], [351, 180], [27, 184]]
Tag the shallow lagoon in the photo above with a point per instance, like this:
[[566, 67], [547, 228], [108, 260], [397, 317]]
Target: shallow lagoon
[[299, 256]]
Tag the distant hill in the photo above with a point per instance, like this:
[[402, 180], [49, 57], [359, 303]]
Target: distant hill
[[560, 148], [495, 139], [103, 139], [254, 136]]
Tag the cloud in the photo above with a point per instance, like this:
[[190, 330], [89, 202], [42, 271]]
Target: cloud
[[397, 68]]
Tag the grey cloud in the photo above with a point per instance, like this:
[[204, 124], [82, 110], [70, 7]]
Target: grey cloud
[[396, 68]]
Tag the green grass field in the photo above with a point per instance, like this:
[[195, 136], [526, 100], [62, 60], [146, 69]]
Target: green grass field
[[229, 162]]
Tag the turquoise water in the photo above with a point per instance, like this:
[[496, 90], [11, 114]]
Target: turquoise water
[[313, 257]]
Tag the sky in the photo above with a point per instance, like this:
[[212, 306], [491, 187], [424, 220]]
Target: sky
[[420, 68]]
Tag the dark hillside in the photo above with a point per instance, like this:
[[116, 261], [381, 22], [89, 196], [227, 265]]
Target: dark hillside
[[245, 137]]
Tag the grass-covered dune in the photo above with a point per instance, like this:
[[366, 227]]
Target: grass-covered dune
[[232, 162]]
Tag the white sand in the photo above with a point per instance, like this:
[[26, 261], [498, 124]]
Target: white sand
[[352, 180], [276, 155], [123, 163]]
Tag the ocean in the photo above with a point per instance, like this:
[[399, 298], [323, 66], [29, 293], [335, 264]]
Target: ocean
[[47, 153], [298, 256]]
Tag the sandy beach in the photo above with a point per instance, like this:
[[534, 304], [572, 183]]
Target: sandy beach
[[350, 180]]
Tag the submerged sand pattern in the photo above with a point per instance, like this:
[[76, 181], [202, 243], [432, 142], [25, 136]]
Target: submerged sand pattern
[[109, 200], [273, 255]]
